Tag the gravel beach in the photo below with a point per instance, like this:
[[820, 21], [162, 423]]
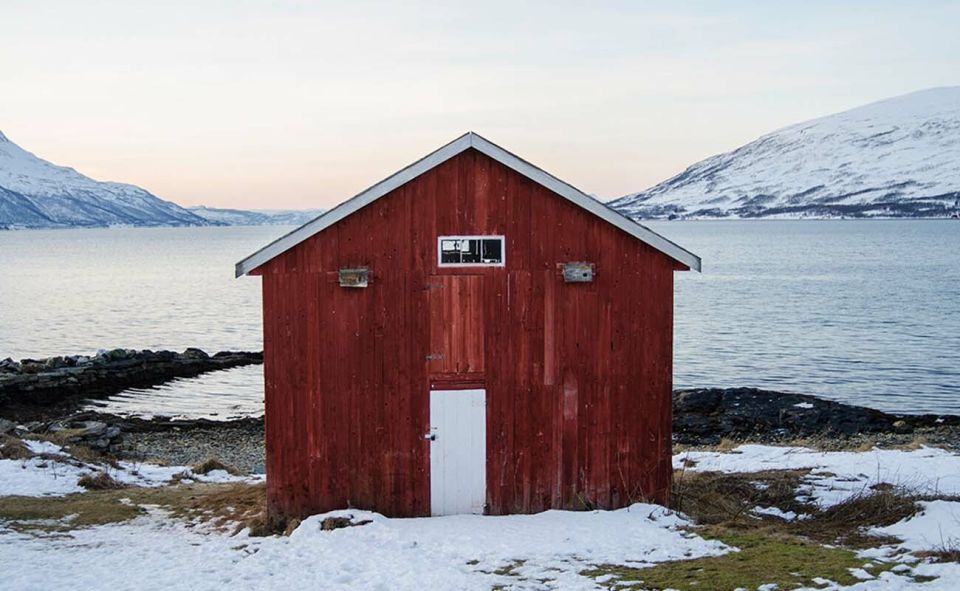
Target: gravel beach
[[240, 446]]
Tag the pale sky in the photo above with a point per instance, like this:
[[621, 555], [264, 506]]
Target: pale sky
[[303, 104]]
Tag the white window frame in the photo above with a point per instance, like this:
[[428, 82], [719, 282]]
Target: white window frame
[[500, 237]]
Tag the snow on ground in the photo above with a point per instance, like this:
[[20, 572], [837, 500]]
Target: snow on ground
[[775, 512], [946, 576], [937, 527], [544, 551], [44, 447], [38, 478], [53, 476], [457, 552], [837, 475]]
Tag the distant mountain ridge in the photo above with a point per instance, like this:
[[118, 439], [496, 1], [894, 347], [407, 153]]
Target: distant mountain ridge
[[898, 157], [35, 193], [255, 217]]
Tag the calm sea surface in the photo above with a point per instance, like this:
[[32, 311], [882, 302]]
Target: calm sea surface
[[866, 312]]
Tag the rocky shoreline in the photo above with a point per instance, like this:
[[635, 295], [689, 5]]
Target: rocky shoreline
[[32, 389], [708, 415], [702, 418], [43, 397]]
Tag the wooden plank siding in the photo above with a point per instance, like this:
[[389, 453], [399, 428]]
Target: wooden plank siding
[[578, 376]]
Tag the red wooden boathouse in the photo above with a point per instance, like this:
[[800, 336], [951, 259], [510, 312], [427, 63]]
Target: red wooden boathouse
[[470, 334]]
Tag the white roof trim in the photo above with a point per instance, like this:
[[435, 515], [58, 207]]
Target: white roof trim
[[462, 143]]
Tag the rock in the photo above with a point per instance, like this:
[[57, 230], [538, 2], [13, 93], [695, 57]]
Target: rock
[[36, 388], [707, 415], [116, 354], [9, 366], [54, 363], [332, 523], [6, 426], [97, 435], [192, 353], [31, 366], [92, 428], [902, 426]]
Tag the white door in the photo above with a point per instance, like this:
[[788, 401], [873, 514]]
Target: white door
[[458, 451]]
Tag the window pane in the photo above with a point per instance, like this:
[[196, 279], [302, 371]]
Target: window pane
[[450, 251], [470, 251], [492, 251]]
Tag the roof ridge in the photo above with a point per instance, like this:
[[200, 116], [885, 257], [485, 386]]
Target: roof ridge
[[470, 139]]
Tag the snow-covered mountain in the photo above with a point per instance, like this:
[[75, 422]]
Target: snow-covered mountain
[[35, 193], [898, 157], [256, 217]]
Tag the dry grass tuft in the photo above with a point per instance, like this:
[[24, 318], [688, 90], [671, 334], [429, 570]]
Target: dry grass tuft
[[726, 445], [291, 525], [12, 448], [846, 522], [918, 441], [261, 525], [100, 481], [227, 506], [211, 464], [946, 552], [711, 498], [61, 438], [89, 456]]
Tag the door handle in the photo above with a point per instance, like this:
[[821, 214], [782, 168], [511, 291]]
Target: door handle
[[430, 436]]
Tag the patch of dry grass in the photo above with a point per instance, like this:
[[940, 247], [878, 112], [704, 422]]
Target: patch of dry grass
[[772, 550], [48, 514], [61, 438], [211, 464], [846, 522], [918, 441], [763, 558], [946, 552], [713, 498], [89, 456], [12, 448], [224, 506], [727, 445], [100, 481], [727, 500]]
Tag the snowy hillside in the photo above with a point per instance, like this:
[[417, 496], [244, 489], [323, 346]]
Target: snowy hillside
[[899, 157], [35, 193], [256, 217]]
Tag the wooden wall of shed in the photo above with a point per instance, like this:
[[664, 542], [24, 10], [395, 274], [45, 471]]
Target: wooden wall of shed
[[578, 376]]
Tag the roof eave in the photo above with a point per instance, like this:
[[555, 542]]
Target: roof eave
[[359, 201]]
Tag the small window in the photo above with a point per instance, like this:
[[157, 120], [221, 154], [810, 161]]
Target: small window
[[457, 251]]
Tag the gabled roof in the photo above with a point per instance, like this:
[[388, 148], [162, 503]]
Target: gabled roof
[[461, 144]]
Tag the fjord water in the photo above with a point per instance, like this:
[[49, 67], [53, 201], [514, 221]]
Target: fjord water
[[865, 312]]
